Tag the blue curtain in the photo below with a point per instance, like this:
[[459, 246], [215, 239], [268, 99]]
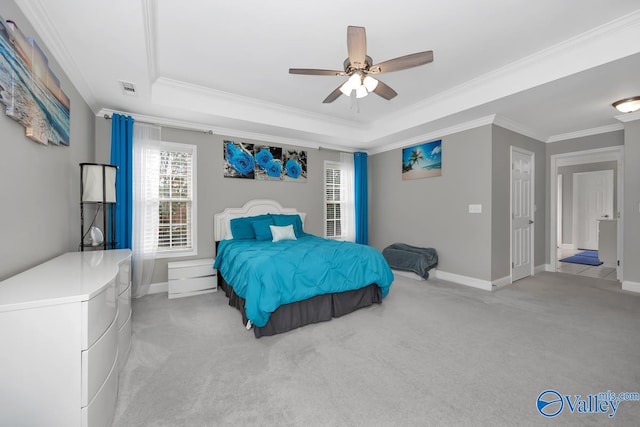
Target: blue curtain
[[361, 197], [122, 157]]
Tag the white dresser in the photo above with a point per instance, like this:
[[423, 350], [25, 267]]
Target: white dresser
[[65, 331]]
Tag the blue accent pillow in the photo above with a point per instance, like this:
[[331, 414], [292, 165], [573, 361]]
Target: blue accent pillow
[[262, 229], [282, 220], [242, 228]]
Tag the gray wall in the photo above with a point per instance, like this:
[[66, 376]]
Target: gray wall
[[215, 193], [503, 139], [40, 185], [609, 139], [434, 212], [567, 192], [631, 213]]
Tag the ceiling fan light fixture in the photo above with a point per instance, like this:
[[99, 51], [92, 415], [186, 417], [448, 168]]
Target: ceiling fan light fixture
[[370, 83], [628, 105], [361, 92], [354, 83]]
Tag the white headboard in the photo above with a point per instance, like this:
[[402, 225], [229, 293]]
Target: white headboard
[[221, 221]]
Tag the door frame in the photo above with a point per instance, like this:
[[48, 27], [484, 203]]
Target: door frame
[[559, 213], [615, 153], [532, 204]]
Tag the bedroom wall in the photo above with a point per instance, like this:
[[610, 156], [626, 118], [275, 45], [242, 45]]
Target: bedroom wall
[[434, 212], [631, 212], [215, 193], [40, 184], [567, 192], [591, 142], [503, 139]]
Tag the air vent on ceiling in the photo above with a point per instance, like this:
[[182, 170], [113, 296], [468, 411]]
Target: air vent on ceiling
[[128, 88]]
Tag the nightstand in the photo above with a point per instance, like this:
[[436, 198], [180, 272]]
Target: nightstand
[[193, 277]]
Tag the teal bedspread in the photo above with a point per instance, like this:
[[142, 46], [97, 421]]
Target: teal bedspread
[[268, 274]]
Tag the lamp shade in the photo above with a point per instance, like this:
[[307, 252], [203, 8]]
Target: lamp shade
[[98, 183]]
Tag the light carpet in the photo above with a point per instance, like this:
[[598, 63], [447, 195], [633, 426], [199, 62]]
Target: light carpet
[[432, 354]]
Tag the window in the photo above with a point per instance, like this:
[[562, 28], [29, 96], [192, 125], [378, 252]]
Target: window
[[339, 204], [333, 200], [177, 203]]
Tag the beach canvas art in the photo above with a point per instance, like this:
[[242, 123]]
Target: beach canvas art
[[422, 161], [29, 90]]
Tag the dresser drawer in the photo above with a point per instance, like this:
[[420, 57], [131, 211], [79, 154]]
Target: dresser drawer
[[98, 313], [193, 286], [124, 276], [188, 269], [124, 306], [97, 362], [124, 342], [100, 411]]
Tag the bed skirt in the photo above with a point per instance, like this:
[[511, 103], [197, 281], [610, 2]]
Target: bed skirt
[[320, 308]]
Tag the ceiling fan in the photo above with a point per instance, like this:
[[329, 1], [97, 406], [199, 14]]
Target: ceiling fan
[[358, 66]]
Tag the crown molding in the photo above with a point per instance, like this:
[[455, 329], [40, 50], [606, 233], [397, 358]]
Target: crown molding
[[223, 131], [608, 42], [629, 117], [39, 19], [516, 127], [436, 134], [585, 132], [191, 97], [612, 41], [150, 18]]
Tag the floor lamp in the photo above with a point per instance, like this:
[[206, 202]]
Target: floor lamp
[[98, 189]]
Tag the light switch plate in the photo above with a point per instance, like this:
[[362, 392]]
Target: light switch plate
[[475, 208]]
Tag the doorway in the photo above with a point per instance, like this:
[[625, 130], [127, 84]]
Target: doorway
[[592, 201], [557, 249]]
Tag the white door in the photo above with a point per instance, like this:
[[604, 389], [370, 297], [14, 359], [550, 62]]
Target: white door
[[522, 193], [592, 200]]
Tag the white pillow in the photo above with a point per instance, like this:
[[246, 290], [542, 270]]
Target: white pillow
[[282, 233]]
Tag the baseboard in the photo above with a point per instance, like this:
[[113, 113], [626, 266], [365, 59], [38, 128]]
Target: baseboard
[[500, 283], [540, 268], [409, 274], [567, 246], [158, 288], [464, 280], [630, 286], [550, 268]]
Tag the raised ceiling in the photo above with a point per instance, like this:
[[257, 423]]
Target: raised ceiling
[[548, 69]]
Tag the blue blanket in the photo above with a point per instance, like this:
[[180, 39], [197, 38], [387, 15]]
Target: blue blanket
[[268, 274]]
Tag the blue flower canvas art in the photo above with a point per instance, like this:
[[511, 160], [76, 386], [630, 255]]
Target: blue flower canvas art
[[238, 160], [264, 162], [268, 163], [295, 165]]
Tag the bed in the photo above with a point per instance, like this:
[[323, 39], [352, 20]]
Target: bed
[[282, 285]]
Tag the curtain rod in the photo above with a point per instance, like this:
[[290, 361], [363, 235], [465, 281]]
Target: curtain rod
[[209, 131]]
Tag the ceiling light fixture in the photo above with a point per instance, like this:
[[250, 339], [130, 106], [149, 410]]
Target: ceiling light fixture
[[628, 105], [362, 86]]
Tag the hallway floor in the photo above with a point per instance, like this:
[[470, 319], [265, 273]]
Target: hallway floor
[[607, 273]]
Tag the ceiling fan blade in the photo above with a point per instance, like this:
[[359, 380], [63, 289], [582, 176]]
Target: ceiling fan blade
[[333, 96], [403, 62], [357, 46], [384, 91], [316, 72]]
